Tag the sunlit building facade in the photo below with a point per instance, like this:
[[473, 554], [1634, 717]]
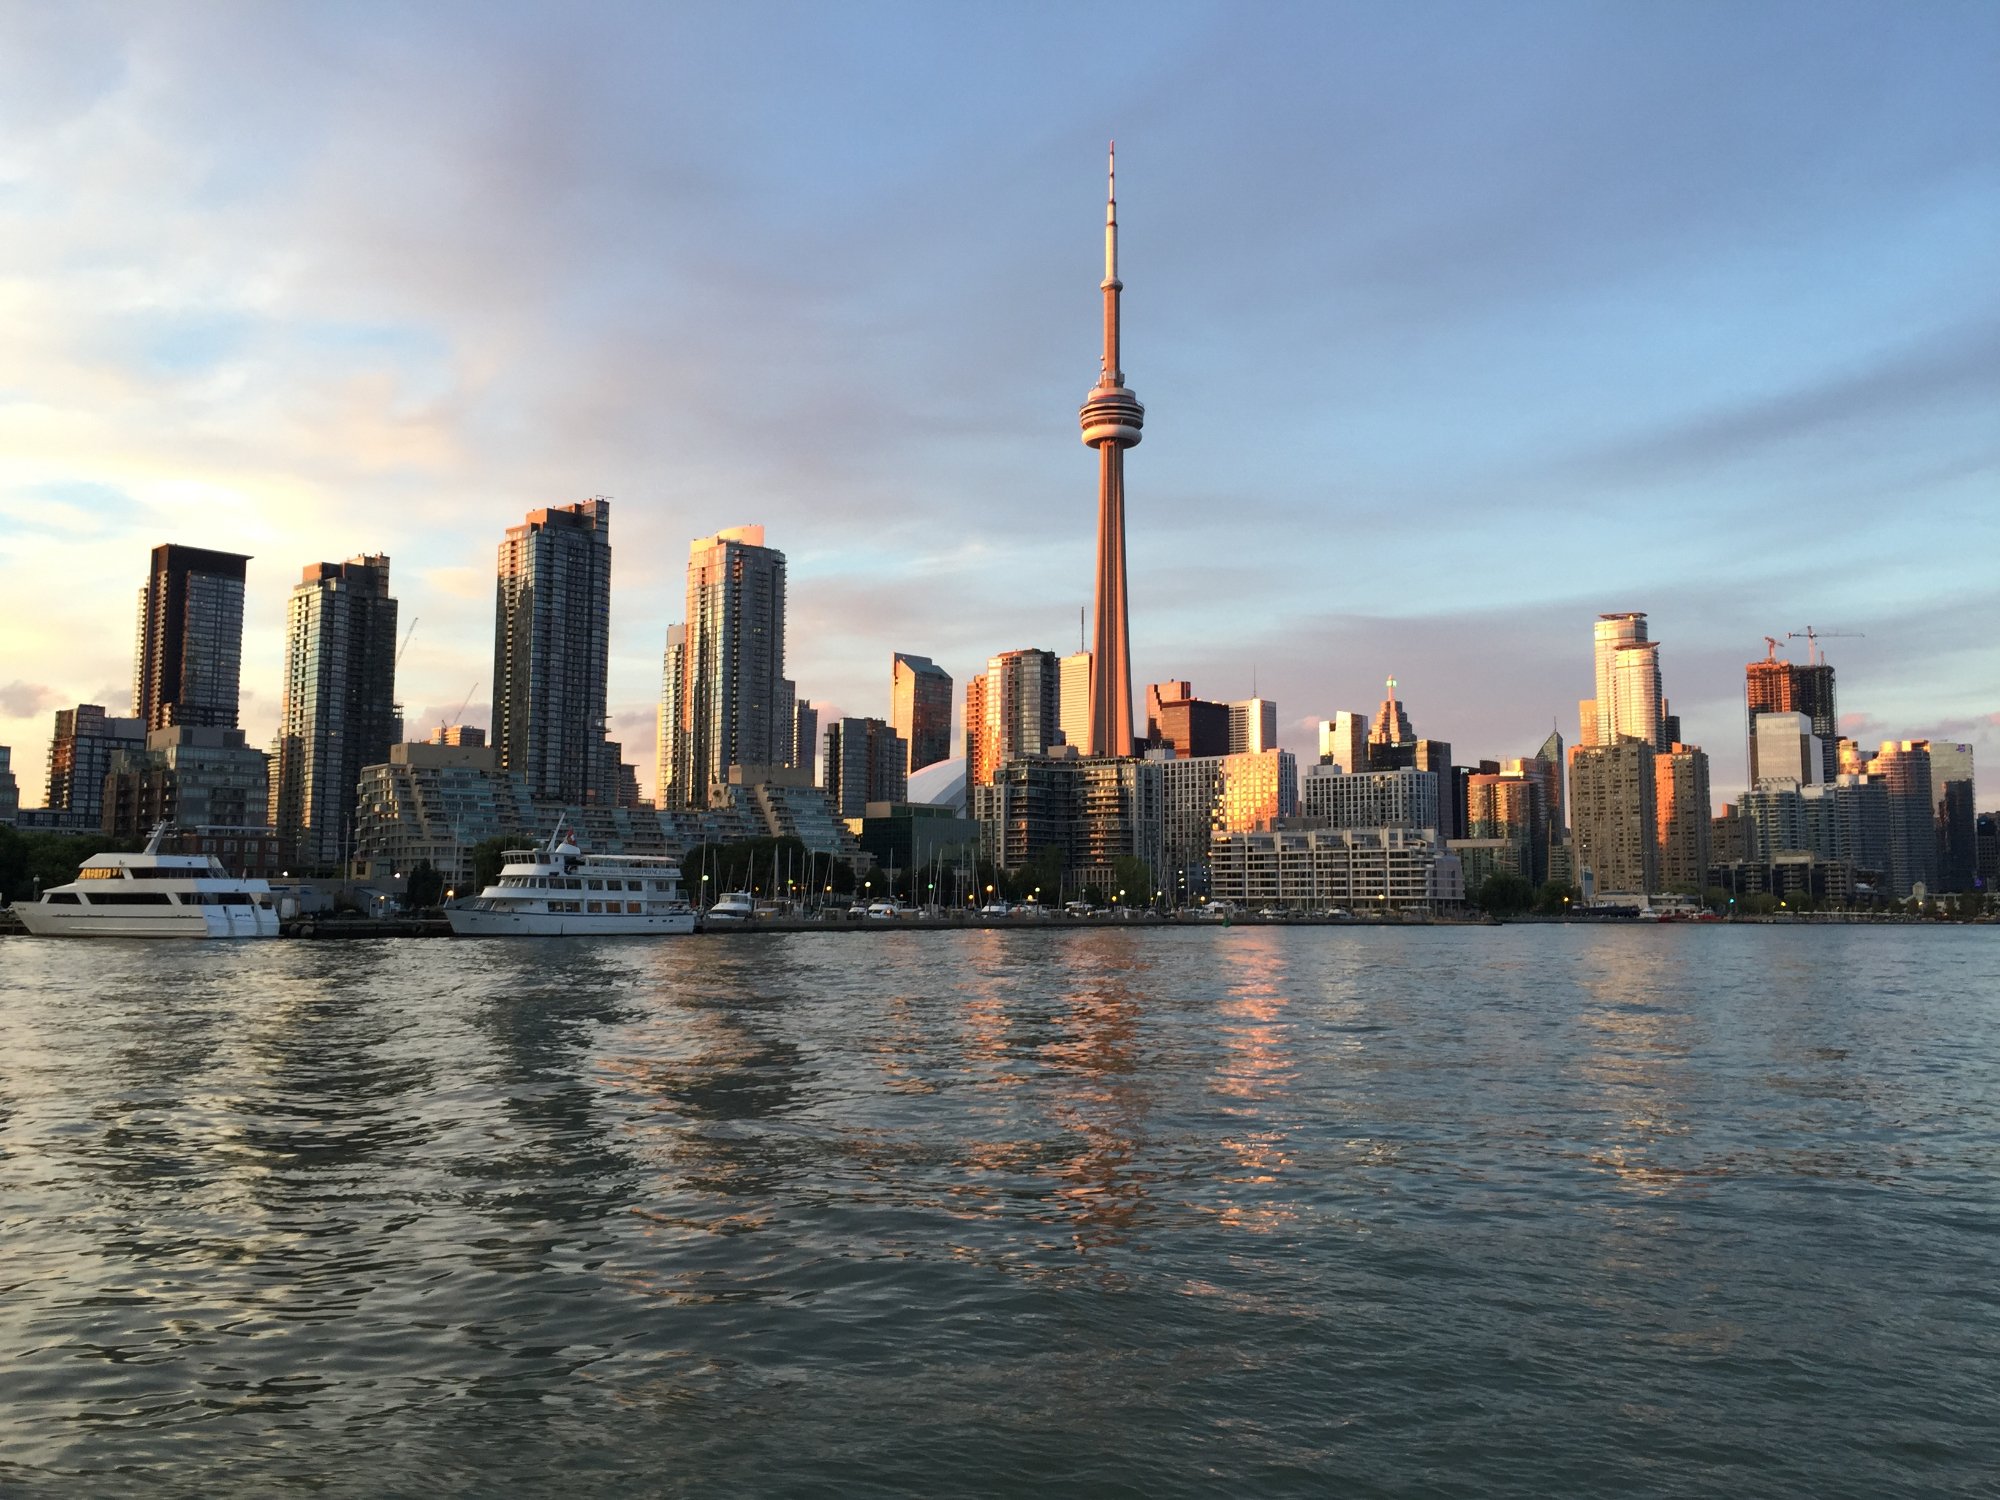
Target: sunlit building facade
[[81, 752], [1612, 814], [1370, 799], [189, 660], [735, 704], [339, 708], [1207, 795], [1681, 818], [551, 652], [1904, 769], [920, 709], [1355, 869], [1011, 711]]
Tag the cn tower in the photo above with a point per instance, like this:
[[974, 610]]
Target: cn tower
[[1111, 417]]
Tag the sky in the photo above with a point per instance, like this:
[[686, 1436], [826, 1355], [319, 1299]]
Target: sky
[[1456, 325]]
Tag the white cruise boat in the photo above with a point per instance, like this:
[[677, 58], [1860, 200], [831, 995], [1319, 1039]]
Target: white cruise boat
[[153, 895], [559, 891]]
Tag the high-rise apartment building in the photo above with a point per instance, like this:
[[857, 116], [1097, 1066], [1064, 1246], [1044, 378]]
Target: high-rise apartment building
[[1638, 709], [866, 762], [194, 775], [1073, 701], [805, 737], [1904, 768], [1343, 741], [1682, 818], [1370, 799], [1191, 726], [339, 708], [671, 721], [1509, 809], [189, 660], [1847, 820], [1784, 748], [81, 752], [1612, 805], [1253, 726], [1214, 794], [1782, 687], [920, 708], [10, 789], [551, 651], [1951, 793], [1010, 711], [734, 705], [1611, 634]]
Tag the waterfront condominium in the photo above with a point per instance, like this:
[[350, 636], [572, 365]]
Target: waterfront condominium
[[1629, 703], [1010, 711], [865, 761], [734, 703], [81, 752], [920, 708], [339, 707], [1613, 808], [1681, 819], [551, 646], [190, 648]]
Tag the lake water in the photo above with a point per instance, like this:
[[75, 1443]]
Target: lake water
[[1524, 1211]]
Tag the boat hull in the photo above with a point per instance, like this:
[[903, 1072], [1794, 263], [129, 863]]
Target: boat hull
[[248, 921], [467, 922]]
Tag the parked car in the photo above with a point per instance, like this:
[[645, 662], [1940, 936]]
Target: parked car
[[883, 911], [995, 909]]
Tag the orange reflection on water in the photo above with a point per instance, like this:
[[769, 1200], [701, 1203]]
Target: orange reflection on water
[[1258, 1068]]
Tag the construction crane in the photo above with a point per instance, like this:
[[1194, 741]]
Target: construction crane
[[406, 639], [1770, 648], [1812, 638]]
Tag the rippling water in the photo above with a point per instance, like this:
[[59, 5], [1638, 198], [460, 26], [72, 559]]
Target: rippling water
[[1526, 1211]]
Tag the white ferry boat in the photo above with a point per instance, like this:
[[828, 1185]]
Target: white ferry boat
[[559, 891], [153, 895]]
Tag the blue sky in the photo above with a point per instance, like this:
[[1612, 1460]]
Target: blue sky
[[1456, 325]]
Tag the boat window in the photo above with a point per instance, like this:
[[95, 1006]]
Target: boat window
[[63, 898], [595, 906], [131, 898], [595, 885], [99, 874], [633, 907]]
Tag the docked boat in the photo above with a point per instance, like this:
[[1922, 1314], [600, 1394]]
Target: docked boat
[[153, 895], [734, 907], [557, 890]]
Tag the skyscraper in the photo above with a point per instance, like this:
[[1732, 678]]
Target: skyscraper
[[190, 650], [551, 649], [667, 733], [1904, 766], [1638, 711], [1682, 818], [10, 791], [920, 708], [1610, 633], [1073, 701], [1771, 686], [805, 736], [1343, 741], [1392, 724], [1253, 726], [338, 711], [865, 762], [1192, 726], [1784, 748], [1009, 712], [734, 707], [81, 752], [1111, 418], [1612, 808]]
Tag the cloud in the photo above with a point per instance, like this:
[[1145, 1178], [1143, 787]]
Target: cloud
[[23, 700]]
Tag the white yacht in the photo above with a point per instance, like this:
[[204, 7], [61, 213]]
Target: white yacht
[[153, 895], [559, 891], [733, 907]]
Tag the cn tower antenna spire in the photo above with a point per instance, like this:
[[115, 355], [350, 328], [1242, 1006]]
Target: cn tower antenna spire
[[1112, 418]]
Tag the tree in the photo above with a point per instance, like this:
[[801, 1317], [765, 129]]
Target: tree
[[31, 858], [488, 856], [1554, 898], [1135, 880], [425, 885], [1504, 894]]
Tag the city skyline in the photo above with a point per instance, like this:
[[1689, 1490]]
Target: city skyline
[[289, 369]]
